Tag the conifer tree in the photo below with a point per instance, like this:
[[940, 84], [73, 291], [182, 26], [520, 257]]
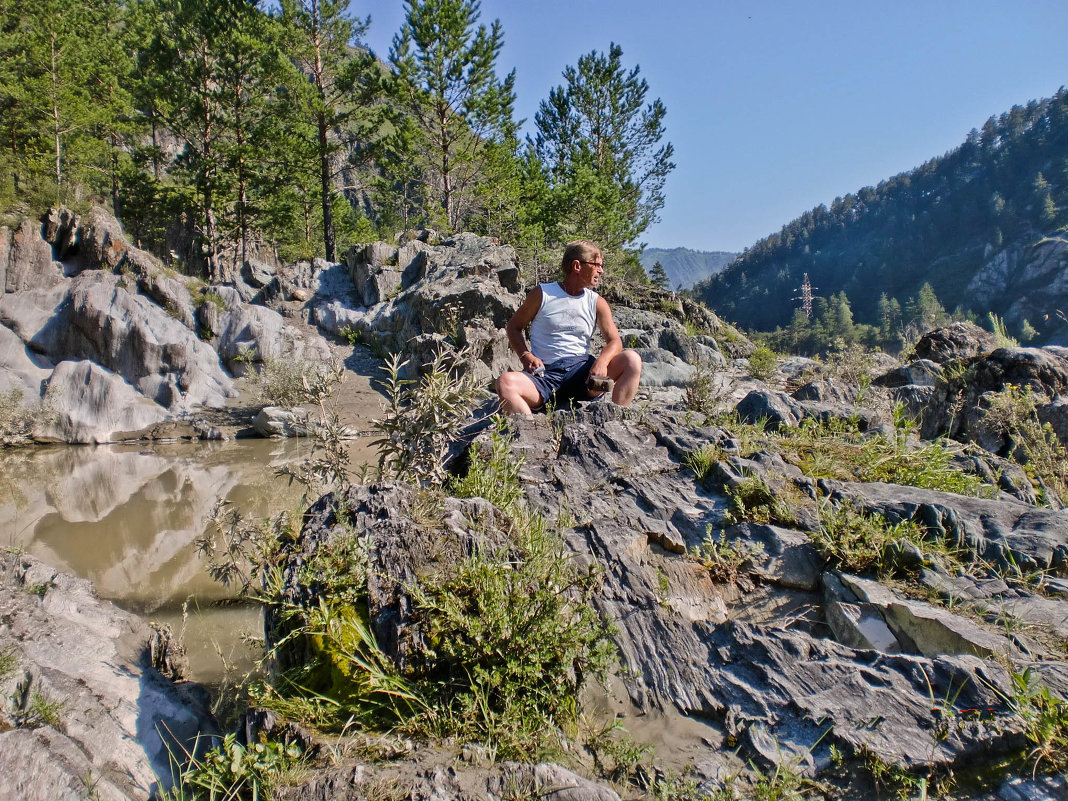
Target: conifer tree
[[341, 80], [602, 145], [658, 276], [60, 90], [462, 112]]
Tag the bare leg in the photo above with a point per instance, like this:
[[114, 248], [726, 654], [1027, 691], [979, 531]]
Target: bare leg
[[517, 393], [626, 370]]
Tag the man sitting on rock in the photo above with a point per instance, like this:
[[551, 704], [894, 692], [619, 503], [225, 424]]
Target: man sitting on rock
[[558, 364]]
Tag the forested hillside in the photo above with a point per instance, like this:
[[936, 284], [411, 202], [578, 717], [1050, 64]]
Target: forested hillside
[[684, 267], [225, 132], [965, 231]]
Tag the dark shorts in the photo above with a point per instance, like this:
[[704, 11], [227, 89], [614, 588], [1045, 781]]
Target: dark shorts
[[564, 380]]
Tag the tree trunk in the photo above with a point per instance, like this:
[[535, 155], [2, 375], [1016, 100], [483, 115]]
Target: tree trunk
[[56, 129], [327, 190]]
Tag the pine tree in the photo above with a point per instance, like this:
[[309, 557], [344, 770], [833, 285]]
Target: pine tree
[[341, 81], [658, 276], [60, 91], [601, 144], [446, 65], [925, 312]]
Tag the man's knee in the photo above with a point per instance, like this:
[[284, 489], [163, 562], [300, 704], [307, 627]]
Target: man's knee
[[507, 384], [629, 363]]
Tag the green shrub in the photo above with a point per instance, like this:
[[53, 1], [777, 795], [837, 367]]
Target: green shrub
[[8, 661], [510, 631], [752, 500], [424, 417], [16, 421], [859, 542], [703, 391], [1013, 413], [1002, 338], [493, 474], [1045, 720], [724, 559], [514, 636], [763, 363], [293, 382], [233, 772]]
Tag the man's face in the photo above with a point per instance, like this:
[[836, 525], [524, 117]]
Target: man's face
[[591, 270]]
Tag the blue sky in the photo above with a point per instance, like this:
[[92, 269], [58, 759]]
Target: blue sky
[[775, 107]]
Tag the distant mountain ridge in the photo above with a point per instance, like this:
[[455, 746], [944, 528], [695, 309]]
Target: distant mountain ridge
[[685, 267], [986, 225]]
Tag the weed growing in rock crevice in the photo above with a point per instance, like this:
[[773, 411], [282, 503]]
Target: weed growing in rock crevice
[[725, 559], [838, 449], [1045, 720], [860, 542], [753, 500], [232, 771], [1013, 413]]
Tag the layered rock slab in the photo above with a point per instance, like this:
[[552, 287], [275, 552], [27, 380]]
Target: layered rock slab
[[85, 705]]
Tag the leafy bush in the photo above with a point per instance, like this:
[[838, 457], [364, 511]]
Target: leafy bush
[[474, 679], [233, 772], [725, 559], [16, 421], [292, 382], [424, 418], [515, 637], [703, 392], [492, 473], [1045, 719]]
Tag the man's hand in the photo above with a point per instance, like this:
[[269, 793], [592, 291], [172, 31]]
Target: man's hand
[[531, 363]]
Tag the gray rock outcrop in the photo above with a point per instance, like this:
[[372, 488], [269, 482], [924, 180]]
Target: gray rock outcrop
[[854, 665], [85, 706], [78, 294]]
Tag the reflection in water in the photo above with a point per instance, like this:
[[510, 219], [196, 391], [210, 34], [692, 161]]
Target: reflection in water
[[126, 517], [216, 638]]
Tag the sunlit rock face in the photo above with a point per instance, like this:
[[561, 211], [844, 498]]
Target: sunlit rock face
[[110, 713]]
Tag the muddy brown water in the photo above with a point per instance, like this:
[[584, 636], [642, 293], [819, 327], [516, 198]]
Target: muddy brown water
[[127, 518]]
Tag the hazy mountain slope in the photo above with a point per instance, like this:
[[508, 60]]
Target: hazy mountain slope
[[985, 225], [685, 267]]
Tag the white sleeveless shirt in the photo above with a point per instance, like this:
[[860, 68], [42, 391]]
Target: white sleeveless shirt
[[564, 324]]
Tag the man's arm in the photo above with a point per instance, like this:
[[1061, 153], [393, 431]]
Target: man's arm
[[613, 344], [523, 316]]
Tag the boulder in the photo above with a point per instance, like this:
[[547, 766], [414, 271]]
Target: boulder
[[954, 342], [271, 421], [927, 629], [250, 334], [113, 718], [920, 373], [132, 336], [778, 409], [87, 403], [662, 368]]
